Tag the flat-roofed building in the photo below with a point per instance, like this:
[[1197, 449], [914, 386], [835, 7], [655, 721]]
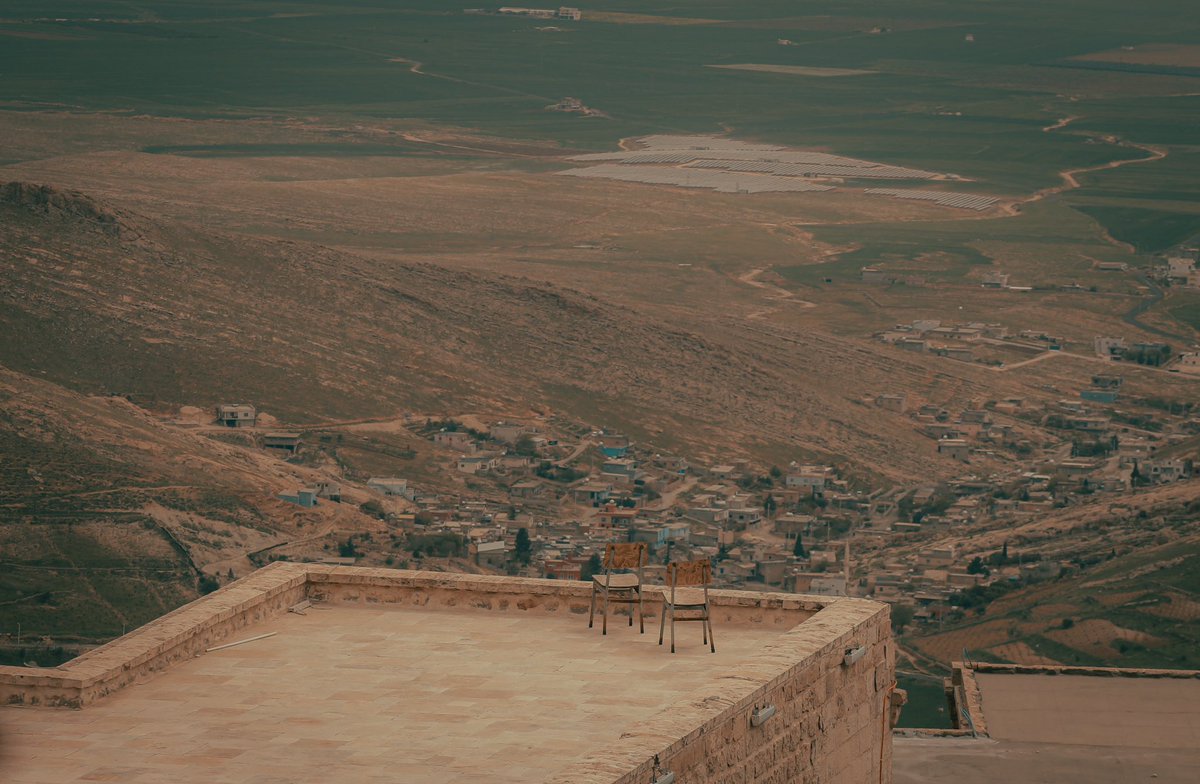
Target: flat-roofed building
[[1060, 723], [414, 655], [237, 415], [389, 485], [283, 441]]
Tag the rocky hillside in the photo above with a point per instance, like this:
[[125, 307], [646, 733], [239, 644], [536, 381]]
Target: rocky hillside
[[110, 517], [175, 314]]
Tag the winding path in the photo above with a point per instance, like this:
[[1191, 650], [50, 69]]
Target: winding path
[[777, 293], [1069, 177], [1155, 296]]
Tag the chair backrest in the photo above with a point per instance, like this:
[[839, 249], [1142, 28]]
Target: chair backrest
[[690, 573], [625, 555], [682, 574]]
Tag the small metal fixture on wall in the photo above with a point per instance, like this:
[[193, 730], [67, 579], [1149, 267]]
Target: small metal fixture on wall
[[854, 654], [761, 714], [660, 776]]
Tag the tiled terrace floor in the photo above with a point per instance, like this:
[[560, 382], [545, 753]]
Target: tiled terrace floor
[[1067, 729], [361, 695], [1152, 713]]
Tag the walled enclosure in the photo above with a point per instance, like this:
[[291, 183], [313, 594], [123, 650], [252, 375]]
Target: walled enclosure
[[966, 699], [831, 715]]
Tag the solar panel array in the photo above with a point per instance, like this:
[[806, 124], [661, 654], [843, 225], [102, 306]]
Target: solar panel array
[[966, 201], [844, 170], [785, 163], [732, 166], [723, 181]]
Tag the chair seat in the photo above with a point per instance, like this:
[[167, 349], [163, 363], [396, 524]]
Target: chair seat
[[685, 597], [616, 582]]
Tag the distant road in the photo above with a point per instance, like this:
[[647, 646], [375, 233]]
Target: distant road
[[1156, 295], [583, 444], [1024, 362]]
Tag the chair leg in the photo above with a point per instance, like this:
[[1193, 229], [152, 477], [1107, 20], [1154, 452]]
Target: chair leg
[[672, 630], [604, 620], [592, 607], [712, 643], [662, 622], [641, 616]]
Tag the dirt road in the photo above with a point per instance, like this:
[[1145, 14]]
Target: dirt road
[[1070, 177], [775, 293]]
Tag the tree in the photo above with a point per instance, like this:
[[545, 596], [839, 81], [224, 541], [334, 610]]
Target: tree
[[207, 584], [798, 548], [525, 446], [776, 473], [524, 548], [442, 545], [902, 615], [591, 568], [770, 505], [373, 508], [347, 549], [976, 565]]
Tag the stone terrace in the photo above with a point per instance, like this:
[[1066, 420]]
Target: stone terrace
[[411, 676], [377, 695]]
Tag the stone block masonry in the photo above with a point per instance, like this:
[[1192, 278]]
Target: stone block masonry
[[830, 723]]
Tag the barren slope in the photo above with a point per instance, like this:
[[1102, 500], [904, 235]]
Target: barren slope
[[175, 315]]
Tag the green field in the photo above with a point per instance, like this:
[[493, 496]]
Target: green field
[[1185, 307], [1150, 231], [1138, 610]]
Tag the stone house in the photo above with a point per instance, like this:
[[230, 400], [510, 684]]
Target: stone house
[[954, 448], [455, 439]]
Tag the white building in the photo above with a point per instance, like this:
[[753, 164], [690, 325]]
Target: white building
[[814, 477], [475, 465], [390, 486], [1108, 347], [1179, 268]]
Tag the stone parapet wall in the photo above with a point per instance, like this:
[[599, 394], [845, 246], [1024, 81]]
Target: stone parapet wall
[[175, 637], [269, 592], [830, 723], [339, 585], [1066, 669]]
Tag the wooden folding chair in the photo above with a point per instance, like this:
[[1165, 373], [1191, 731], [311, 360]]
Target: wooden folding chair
[[621, 582], [688, 594]]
